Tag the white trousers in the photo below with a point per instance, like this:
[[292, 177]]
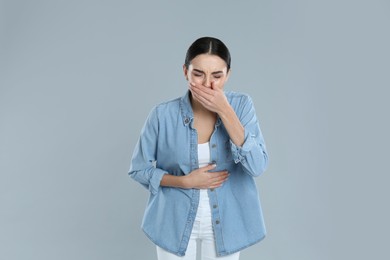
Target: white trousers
[[202, 232]]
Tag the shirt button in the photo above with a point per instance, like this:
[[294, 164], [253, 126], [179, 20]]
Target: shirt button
[[215, 206], [186, 120], [212, 189], [217, 222], [213, 145]]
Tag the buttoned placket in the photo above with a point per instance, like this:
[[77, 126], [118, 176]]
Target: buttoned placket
[[215, 213]]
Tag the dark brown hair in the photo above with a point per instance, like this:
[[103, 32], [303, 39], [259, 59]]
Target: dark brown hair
[[208, 45]]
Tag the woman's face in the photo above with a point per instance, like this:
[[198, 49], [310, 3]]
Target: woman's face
[[205, 69]]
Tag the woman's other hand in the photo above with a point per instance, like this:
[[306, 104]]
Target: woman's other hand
[[202, 178]]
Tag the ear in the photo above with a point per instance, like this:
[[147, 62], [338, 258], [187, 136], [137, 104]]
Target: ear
[[185, 70], [228, 74]]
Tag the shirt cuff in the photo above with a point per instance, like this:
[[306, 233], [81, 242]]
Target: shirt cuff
[[155, 180], [239, 152]]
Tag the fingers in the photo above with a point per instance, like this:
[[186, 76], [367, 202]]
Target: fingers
[[218, 178], [218, 181], [212, 179], [201, 99], [206, 100], [208, 167], [221, 176], [202, 90]]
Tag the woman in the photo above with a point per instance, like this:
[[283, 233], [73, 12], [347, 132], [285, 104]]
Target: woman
[[198, 156]]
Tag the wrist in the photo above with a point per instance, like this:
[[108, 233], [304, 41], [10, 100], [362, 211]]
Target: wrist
[[185, 182], [225, 111]]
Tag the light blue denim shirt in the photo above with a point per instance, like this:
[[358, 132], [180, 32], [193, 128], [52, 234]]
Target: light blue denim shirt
[[168, 145]]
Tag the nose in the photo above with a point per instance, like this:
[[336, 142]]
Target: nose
[[207, 81]]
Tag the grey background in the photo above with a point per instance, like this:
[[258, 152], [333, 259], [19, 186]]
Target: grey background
[[78, 79]]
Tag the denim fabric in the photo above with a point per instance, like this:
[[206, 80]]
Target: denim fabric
[[168, 145], [202, 232]]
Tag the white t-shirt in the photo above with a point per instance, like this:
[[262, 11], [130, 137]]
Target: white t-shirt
[[204, 154]]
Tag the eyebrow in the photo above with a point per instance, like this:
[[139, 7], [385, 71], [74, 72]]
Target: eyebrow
[[215, 72]]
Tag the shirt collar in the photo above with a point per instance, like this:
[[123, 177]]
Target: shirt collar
[[186, 109]]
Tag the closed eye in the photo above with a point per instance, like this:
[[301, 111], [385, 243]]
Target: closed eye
[[197, 73]]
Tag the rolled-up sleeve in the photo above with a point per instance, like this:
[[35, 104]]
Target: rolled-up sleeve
[[253, 153], [142, 167]]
